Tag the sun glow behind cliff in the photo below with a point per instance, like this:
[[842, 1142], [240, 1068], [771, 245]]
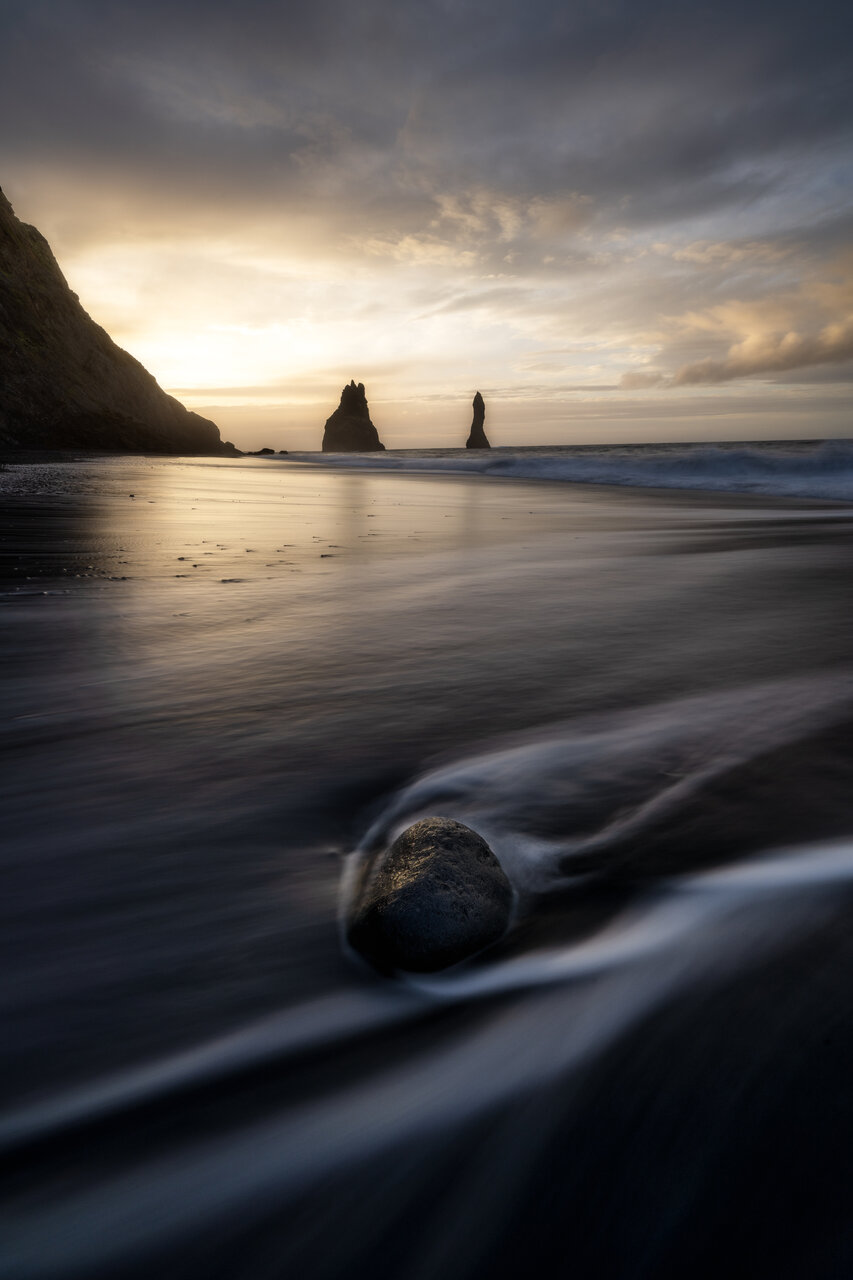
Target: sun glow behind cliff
[[261, 341]]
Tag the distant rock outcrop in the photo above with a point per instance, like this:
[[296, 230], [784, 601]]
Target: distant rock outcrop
[[437, 896], [349, 430], [477, 438], [64, 384]]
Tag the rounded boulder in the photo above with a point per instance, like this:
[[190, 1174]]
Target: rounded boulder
[[437, 896]]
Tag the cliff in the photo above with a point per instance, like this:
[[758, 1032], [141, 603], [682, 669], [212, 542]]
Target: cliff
[[64, 384], [349, 429]]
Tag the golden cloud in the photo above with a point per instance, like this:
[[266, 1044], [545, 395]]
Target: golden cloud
[[773, 354]]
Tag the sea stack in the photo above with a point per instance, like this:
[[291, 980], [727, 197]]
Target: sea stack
[[477, 438], [65, 384], [436, 897], [349, 430]]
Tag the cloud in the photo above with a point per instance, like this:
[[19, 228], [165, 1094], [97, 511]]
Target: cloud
[[455, 190], [774, 354], [640, 381], [709, 253], [638, 112], [807, 324], [499, 299], [423, 249]]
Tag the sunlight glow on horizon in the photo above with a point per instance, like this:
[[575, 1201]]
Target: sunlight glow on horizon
[[617, 221], [627, 337], [207, 321]]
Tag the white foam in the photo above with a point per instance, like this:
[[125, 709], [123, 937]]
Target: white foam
[[824, 471], [681, 933], [593, 782]]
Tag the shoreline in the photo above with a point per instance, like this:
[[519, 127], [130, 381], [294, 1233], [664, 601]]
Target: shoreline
[[153, 520], [617, 688], [778, 471]]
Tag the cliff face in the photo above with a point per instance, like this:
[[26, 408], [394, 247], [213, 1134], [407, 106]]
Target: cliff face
[[349, 430], [64, 384]]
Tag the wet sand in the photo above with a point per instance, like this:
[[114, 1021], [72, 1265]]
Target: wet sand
[[219, 676]]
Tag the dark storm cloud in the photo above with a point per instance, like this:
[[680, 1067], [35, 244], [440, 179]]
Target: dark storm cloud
[[654, 111]]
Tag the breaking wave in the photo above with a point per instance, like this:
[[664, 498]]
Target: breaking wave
[[823, 471]]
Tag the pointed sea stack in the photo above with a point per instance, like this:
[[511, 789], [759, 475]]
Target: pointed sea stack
[[349, 430], [65, 384], [477, 438]]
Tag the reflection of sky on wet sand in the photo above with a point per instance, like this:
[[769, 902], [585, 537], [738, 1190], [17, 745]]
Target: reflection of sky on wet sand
[[275, 621]]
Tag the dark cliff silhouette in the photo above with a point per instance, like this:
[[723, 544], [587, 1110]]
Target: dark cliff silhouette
[[477, 438], [64, 384], [349, 430]]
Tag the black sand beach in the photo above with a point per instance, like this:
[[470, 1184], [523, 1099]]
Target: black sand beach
[[223, 679]]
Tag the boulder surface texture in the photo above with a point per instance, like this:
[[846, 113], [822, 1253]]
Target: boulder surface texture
[[477, 439], [349, 430], [437, 896], [65, 384]]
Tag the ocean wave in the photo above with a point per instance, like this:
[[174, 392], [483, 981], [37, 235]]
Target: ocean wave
[[823, 471]]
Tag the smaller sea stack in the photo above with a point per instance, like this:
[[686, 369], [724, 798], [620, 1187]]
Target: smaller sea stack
[[477, 438], [349, 430]]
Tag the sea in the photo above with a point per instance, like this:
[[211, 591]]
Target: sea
[[225, 682]]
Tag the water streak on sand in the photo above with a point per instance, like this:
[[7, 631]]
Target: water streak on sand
[[644, 702], [595, 784]]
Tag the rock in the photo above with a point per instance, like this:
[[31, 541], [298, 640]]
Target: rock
[[260, 453], [477, 438], [437, 896], [65, 384], [349, 430]]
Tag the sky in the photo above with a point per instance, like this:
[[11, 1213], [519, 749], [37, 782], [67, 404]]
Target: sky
[[620, 220]]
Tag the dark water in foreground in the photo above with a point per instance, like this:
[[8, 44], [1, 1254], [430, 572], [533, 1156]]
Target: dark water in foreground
[[221, 688]]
